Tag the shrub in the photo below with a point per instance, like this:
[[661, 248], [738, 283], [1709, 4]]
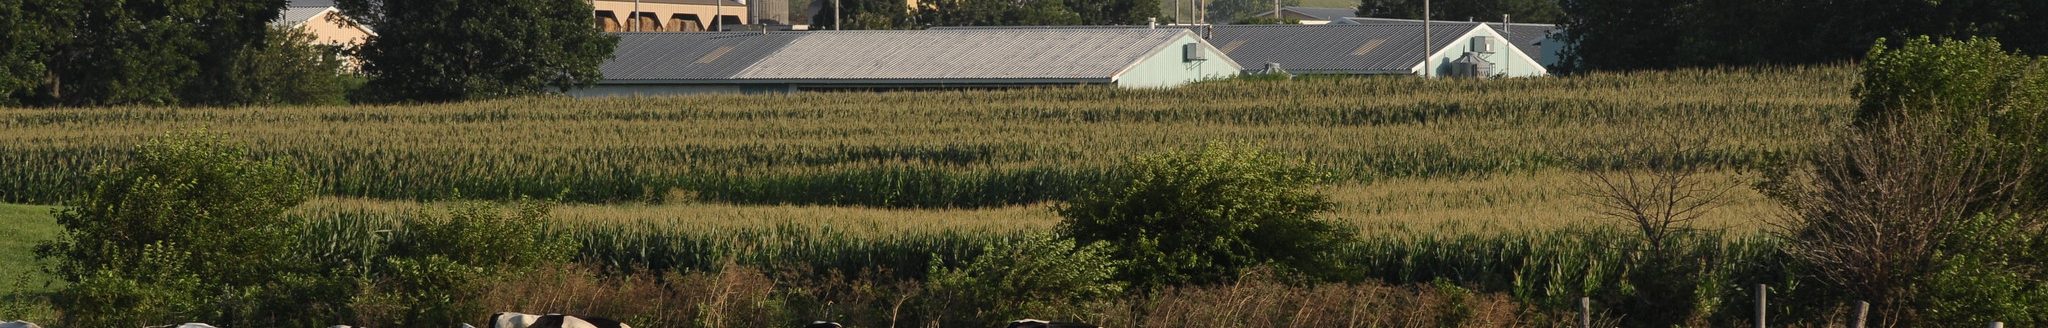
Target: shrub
[[1897, 211], [1205, 215], [289, 69], [433, 270], [178, 235], [1036, 277]]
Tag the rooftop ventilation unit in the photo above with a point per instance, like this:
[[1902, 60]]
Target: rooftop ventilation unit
[[1482, 44], [1192, 52]]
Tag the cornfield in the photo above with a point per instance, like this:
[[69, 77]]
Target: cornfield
[[965, 148]]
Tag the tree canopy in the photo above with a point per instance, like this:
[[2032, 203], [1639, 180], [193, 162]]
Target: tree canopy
[[1643, 34], [1531, 11], [455, 50]]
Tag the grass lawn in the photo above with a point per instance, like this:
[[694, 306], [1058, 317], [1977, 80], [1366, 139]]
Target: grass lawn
[[24, 226]]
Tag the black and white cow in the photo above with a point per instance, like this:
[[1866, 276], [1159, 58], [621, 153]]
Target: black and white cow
[[522, 320], [19, 324]]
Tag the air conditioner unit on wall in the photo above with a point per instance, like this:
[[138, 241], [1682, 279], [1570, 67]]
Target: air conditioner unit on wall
[[1482, 44], [1192, 52]]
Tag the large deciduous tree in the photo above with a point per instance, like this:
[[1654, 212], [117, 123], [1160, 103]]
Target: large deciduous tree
[[21, 39], [1640, 34], [1115, 12], [454, 50], [151, 51]]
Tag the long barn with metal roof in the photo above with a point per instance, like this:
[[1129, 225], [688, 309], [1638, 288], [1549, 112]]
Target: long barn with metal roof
[[1376, 49], [752, 62], [1541, 41], [1456, 49]]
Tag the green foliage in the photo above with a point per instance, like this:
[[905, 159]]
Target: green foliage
[[1116, 12], [1996, 100], [22, 37], [190, 222], [1033, 277], [1702, 278], [1974, 78], [215, 52], [1207, 214], [454, 50], [290, 69], [1645, 34], [996, 13], [1929, 207], [1994, 273], [1531, 11], [1221, 11], [153, 51], [863, 15], [432, 269]]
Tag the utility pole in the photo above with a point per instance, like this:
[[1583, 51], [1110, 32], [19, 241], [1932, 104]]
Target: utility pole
[[1427, 41], [635, 16], [1276, 13], [718, 15], [1507, 30], [836, 19]]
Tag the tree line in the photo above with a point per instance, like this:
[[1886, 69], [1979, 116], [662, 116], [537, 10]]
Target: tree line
[[229, 53]]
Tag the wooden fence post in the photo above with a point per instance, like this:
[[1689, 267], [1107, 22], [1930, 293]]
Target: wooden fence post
[[1763, 302], [1862, 313], [1585, 312]]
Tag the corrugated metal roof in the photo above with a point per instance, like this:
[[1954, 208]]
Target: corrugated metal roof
[[690, 56], [962, 54], [295, 16], [1351, 49], [309, 3], [1527, 37], [946, 55]]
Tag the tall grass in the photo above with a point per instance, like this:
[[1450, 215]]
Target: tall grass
[[959, 149]]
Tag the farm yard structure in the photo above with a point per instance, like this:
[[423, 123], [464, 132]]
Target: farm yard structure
[[684, 15], [690, 63], [1544, 42], [1394, 49], [1358, 49], [320, 19]]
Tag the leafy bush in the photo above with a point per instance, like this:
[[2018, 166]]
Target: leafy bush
[[1974, 77], [1036, 277], [1899, 210], [179, 233], [432, 271], [1205, 215], [290, 69]]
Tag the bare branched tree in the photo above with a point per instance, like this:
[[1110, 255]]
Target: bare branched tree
[[1660, 202], [1874, 207], [1659, 199]]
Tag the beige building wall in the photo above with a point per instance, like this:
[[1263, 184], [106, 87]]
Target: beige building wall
[[666, 15], [327, 29]]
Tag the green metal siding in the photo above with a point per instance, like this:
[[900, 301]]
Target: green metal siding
[[1166, 68], [1507, 60]]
